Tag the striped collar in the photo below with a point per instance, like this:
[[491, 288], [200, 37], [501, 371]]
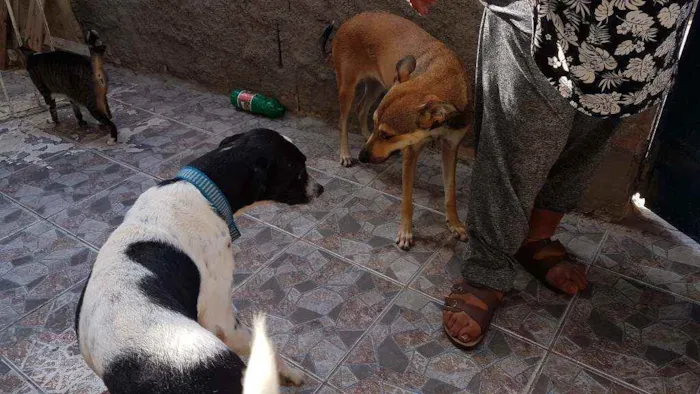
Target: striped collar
[[213, 194]]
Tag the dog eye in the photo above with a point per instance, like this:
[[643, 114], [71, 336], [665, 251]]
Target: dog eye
[[384, 135]]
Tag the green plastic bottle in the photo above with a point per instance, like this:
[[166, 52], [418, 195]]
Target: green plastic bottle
[[256, 103]]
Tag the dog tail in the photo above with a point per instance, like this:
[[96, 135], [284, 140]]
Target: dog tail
[[325, 38], [261, 376]]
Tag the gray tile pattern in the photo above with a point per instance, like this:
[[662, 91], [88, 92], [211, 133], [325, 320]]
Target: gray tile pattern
[[344, 303]]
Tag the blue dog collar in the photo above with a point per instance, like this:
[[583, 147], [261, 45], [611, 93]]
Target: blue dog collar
[[213, 194]]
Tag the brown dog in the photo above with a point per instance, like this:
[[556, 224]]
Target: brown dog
[[428, 97]]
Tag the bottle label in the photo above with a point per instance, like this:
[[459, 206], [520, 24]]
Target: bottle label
[[245, 100]]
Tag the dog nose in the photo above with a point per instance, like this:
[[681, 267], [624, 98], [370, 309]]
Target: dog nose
[[319, 190], [364, 156]]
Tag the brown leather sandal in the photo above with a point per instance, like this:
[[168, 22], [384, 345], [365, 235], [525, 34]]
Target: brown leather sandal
[[482, 317], [539, 257]]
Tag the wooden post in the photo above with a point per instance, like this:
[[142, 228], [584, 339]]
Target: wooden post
[[3, 35], [35, 25]]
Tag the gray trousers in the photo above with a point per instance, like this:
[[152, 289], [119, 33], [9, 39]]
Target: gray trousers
[[533, 150]]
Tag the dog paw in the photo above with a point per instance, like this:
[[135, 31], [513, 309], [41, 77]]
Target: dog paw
[[346, 161], [291, 377], [458, 230], [405, 239], [111, 141], [82, 123]]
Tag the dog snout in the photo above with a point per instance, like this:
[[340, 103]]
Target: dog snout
[[313, 189], [318, 189], [364, 156]]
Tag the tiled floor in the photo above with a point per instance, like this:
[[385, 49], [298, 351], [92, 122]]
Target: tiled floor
[[356, 313]]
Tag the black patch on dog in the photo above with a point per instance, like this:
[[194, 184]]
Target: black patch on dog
[[135, 373], [175, 281], [257, 165]]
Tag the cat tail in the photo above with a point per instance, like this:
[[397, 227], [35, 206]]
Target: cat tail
[[93, 41]]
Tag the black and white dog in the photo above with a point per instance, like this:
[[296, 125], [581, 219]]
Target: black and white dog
[[156, 314]]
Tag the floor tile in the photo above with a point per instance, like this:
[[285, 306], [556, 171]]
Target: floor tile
[[317, 305], [169, 168], [94, 219], [581, 236], [299, 219], [5, 112], [122, 115], [149, 142], [43, 345], [120, 78], [257, 245], [22, 145], [407, 351], [62, 181], [159, 97], [560, 376], [310, 386], [37, 264], [13, 217], [428, 187], [321, 145], [24, 98], [211, 112], [654, 255], [531, 310], [364, 229], [326, 389], [634, 333], [12, 383]]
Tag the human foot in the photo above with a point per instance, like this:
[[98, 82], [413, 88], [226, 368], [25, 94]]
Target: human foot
[[546, 261], [467, 314]]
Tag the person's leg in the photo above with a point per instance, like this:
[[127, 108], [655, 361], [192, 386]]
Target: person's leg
[[568, 178], [565, 185], [524, 127]]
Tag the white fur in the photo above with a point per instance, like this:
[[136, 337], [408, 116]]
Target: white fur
[[115, 314], [287, 138], [261, 375]]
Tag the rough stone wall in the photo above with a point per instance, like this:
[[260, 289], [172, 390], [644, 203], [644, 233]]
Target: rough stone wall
[[273, 47], [269, 46]]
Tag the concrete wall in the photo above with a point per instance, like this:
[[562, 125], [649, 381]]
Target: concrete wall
[[272, 47], [269, 46]]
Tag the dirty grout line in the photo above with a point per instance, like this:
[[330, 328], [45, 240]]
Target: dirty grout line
[[599, 372], [22, 375]]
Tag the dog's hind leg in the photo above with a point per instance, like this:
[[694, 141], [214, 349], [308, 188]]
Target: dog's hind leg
[[215, 313], [373, 90], [347, 83]]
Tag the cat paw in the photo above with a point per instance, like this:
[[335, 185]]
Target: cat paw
[[111, 141]]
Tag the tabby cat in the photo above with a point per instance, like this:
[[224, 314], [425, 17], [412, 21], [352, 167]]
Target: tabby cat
[[83, 81]]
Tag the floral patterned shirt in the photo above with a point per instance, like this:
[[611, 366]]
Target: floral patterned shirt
[[610, 58]]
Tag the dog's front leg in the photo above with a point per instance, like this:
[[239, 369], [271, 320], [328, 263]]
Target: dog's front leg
[[450, 147], [410, 159], [216, 314]]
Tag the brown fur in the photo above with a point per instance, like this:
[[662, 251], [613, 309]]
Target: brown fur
[[428, 90]]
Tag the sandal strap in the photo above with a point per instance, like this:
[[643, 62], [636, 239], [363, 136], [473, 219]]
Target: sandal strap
[[482, 317], [540, 256], [483, 294]]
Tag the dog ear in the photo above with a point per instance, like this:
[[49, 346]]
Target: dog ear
[[434, 112], [229, 140], [404, 68]]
